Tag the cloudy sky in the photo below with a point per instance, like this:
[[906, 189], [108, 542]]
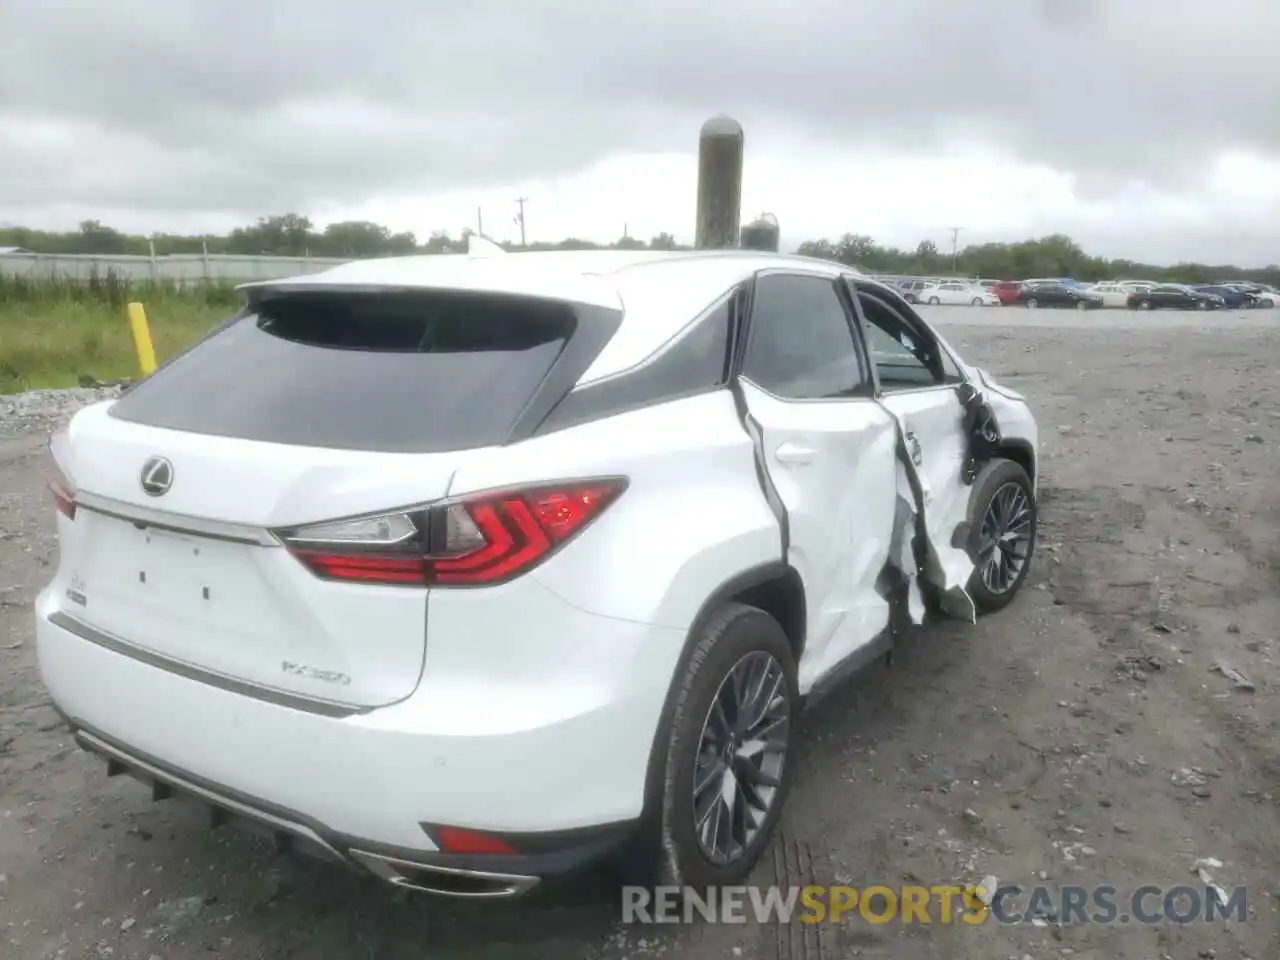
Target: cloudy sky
[[1143, 128]]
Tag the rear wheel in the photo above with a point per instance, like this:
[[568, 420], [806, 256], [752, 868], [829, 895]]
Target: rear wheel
[[1202, 304], [934, 301], [1002, 534], [976, 301], [1144, 304], [1032, 303], [728, 759], [1082, 305]]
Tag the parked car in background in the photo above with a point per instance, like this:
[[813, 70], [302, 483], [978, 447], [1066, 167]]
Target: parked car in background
[[1262, 295], [1054, 293], [1065, 281], [1174, 296], [1233, 297], [1112, 294], [1007, 290], [958, 292], [1267, 296], [910, 289]]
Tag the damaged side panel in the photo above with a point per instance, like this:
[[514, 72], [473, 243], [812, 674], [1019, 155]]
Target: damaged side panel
[[831, 466]]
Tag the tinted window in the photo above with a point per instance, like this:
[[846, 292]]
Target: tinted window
[[417, 372], [801, 344]]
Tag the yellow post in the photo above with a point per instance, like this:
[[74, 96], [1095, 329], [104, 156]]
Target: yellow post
[[142, 339]]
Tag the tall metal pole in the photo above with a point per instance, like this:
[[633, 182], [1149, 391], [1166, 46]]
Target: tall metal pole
[[955, 241], [520, 202], [720, 154]]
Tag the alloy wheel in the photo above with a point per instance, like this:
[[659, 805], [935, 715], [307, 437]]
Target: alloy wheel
[[741, 756], [1004, 543]]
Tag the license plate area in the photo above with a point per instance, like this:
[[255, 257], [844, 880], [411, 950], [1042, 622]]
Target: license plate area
[[125, 569], [173, 567]]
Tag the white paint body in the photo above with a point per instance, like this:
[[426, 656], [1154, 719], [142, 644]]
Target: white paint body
[[529, 706], [958, 294], [1115, 294]]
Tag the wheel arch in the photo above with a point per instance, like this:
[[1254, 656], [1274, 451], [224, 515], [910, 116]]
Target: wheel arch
[[1021, 453], [774, 587]]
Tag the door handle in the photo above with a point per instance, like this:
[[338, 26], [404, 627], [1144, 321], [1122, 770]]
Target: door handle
[[791, 452]]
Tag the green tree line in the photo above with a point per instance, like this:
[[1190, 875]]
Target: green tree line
[[294, 235]]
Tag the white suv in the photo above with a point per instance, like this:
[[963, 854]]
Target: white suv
[[469, 571]]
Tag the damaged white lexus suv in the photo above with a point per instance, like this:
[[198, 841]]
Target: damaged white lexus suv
[[469, 571]]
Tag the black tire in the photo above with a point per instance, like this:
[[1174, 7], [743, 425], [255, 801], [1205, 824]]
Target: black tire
[[1032, 303], [976, 302], [994, 478], [934, 301], [732, 633]]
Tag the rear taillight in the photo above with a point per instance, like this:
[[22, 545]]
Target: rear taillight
[[484, 539], [61, 484]]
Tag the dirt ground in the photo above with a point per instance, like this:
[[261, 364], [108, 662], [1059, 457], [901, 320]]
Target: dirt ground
[[1080, 737]]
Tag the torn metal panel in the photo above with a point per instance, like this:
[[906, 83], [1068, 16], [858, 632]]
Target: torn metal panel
[[937, 502]]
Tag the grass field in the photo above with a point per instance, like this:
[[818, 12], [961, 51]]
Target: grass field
[[52, 334]]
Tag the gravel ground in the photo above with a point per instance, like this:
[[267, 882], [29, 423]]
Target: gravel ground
[[1079, 737]]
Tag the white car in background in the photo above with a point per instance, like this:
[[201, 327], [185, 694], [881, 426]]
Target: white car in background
[[468, 571], [957, 292], [1112, 294]]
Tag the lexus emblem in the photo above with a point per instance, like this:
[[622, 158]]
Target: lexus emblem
[[157, 477]]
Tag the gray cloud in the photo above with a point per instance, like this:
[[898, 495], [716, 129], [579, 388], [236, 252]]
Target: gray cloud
[[285, 104]]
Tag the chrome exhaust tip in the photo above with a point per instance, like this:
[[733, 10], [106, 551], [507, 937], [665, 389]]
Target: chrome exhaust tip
[[444, 881]]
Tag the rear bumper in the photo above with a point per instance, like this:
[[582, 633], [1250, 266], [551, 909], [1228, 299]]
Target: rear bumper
[[560, 774], [477, 877]]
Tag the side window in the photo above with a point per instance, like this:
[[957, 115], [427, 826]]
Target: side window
[[801, 345], [904, 359]]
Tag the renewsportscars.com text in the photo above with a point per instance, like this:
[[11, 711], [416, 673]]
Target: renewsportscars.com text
[[1009, 904]]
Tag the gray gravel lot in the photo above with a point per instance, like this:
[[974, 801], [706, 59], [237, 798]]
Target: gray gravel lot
[[1079, 737]]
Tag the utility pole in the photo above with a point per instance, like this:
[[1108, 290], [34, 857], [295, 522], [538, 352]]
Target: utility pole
[[955, 243], [479, 222], [520, 202]]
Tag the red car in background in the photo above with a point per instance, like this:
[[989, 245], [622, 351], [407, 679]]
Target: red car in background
[[1007, 290]]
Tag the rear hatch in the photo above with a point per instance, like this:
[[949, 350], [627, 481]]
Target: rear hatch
[[313, 407]]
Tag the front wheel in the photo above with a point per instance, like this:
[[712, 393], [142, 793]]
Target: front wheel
[[1032, 303], [1082, 305], [1002, 534], [1144, 304], [976, 301], [729, 750], [1202, 305], [934, 301]]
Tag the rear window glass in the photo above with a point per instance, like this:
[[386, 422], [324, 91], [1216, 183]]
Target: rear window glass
[[398, 372]]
